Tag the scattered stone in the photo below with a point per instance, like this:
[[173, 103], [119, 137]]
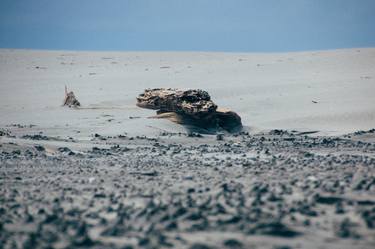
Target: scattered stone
[[35, 137], [194, 134], [369, 217], [151, 173], [329, 200], [4, 133], [200, 246], [39, 148], [346, 229], [233, 244], [66, 151], [275, 229], [220, 136], [282, 247]]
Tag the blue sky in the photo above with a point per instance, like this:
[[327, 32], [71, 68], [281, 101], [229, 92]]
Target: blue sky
[[189, 25]]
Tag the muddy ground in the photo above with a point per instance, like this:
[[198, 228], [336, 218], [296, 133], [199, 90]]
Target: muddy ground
[[276, 189]]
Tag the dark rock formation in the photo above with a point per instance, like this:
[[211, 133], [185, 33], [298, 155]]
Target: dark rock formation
[[189, 107]]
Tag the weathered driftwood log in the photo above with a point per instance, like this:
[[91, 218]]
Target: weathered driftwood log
[[192, 107], [70, 100], [190, 102], [228, 120]]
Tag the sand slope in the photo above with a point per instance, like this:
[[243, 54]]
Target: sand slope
[[267, 90]]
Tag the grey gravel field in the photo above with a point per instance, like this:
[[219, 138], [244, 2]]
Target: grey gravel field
[[276, 189]]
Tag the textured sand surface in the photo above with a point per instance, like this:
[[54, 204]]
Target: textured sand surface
[[300, 175], [269, 91], [270, 190]]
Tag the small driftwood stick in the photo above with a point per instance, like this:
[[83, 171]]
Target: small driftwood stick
[[70, 100]]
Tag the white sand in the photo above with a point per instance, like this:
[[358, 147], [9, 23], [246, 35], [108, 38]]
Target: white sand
[[269, 91]]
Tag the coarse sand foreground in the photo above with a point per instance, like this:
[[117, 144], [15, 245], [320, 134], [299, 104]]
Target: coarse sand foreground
[[269, 190]]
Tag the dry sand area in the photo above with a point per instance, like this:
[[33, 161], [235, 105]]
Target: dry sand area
[[301, 174]]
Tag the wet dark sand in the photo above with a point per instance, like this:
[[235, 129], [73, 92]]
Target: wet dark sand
[[271, 190]]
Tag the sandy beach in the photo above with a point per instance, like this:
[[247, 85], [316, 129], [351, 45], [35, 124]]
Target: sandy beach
[[269, 91], [301, 173]]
